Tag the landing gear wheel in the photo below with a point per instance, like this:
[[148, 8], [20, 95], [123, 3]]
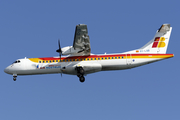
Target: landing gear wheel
[[14, 78], [80, 73], [81, 78]]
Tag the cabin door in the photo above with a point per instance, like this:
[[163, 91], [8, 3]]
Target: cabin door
[[128, 59]]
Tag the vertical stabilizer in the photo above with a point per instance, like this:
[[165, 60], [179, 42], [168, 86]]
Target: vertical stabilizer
[[160, 41]]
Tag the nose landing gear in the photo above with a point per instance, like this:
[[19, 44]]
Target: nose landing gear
[[14, 77], [80, 74]]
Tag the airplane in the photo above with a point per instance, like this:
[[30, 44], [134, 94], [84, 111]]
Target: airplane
[[78, 59]]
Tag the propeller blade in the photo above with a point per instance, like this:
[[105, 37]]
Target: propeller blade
[[59, 50], [60, 56], [59, 45]]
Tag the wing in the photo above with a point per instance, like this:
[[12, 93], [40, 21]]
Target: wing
[[81, 40]]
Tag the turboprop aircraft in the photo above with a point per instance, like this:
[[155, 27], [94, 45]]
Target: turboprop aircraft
[[79, 60]]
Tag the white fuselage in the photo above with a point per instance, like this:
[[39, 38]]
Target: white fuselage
[[90, 64]]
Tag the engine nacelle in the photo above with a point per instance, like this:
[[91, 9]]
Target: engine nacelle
[[69, 50]]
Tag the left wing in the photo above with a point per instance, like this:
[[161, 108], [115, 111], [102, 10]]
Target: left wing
[[81, 40]]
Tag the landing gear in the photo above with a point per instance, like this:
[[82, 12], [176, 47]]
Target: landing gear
[[82, 78], [14, 77], [80, 70], [80, 74]]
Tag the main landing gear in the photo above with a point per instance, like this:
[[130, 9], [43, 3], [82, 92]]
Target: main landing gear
[[81, 78], [80, 74], [14, 77]]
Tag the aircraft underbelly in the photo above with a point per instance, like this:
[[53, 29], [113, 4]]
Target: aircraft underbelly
[[124, 64], [89, 67], [38, 71]]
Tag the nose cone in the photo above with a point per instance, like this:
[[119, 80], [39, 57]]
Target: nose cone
[[7, 70]]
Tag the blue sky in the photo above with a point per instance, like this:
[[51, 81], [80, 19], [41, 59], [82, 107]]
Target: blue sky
[[32, 28]]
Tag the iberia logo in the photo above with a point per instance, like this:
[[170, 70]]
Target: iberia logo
[[159, 42]]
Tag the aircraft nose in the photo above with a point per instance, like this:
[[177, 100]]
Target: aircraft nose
[[7, 70]]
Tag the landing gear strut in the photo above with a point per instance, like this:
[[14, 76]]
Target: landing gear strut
[[14, 77], [80, 74]]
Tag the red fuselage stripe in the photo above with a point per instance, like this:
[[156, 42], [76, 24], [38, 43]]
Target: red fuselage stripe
[[98, 56]]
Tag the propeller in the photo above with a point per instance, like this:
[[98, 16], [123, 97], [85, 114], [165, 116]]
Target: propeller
[[59, 51]]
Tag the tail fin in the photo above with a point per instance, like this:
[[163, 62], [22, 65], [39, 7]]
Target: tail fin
[[160, 41]]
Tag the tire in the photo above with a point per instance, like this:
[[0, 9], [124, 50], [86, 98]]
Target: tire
[[82, 79], [14, 78]]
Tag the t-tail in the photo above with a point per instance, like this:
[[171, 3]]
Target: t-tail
[[160, 41], [159, 44]]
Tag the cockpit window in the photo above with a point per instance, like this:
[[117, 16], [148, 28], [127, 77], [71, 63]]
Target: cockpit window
[[17, 61]]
